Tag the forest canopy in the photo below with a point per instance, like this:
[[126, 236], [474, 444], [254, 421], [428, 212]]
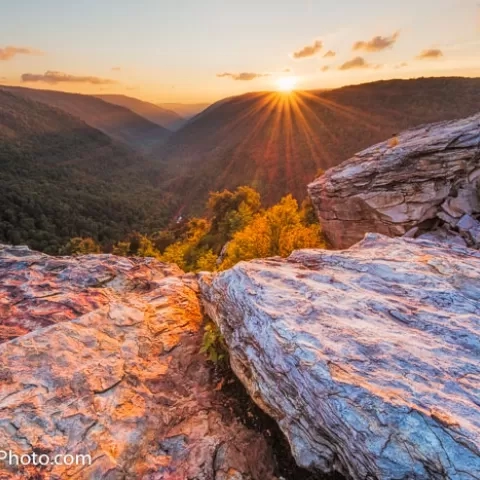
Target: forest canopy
[[236, 228], [60, 179]]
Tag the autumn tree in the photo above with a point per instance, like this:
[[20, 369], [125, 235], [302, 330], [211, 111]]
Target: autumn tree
[[81, 246], [276, 232]]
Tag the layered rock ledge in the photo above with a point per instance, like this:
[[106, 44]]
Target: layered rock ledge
[[115, 373], [426, 179], [368, 358]]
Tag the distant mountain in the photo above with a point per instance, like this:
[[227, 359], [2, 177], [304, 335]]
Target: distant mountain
[[156, 114], [60, 178], [185, 110], [117, 122], [278, 142]]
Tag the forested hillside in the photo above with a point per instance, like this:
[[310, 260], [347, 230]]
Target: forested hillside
[[60, 178], [278, 142], [156, 114], [116, 121]]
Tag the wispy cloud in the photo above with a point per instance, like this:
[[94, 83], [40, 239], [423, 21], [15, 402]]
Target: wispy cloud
[[245, 76], [376, 44], [329, 54], [326, 68], [53, 77], [358, 62], [308, 50], [9, 52], [116, 69], [401, 65], [429, 54]]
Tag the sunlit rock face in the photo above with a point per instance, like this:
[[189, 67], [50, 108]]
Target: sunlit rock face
[[426, 179], [38, 290], [116, 375], [368, 358]]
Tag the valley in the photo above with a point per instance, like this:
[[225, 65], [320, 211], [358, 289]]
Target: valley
[[61, 178], [114, 172], [277, 143]]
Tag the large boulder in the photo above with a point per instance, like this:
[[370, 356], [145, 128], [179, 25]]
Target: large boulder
[[425, 179], [115, 373], [368, 358]]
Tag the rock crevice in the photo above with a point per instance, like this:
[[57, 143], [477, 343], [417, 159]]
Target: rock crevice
[[367, 358]]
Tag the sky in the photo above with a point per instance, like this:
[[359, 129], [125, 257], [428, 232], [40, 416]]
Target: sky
[[193, 51]]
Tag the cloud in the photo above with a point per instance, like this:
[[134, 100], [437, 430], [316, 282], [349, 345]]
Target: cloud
[[326, 68], [401, 65], [308, 51], [9, 52], [286, 70], [245, 76], [376, 44], [358, 62], [329, 54], [116, 69], [59, 77], [429, 54]]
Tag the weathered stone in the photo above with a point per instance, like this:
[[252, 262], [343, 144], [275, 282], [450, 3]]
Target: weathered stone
[[443, 236], [392, 189], [470, 227], [367, 358], [119, 376]]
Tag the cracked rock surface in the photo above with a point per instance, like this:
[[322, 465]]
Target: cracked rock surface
[[427, 179], [368, 358], [115, 373]]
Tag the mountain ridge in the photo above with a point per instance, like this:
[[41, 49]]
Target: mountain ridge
[[116, 121], [276, 142], [163, 117]]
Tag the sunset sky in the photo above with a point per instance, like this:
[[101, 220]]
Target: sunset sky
[[201, 51]]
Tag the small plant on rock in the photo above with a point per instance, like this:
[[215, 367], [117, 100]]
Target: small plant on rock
[[213, 344]]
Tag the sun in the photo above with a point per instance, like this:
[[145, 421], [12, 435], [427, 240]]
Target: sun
[[286, 84]]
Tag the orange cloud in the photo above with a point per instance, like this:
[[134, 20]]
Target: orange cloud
[[9, 52], [376, 44], [329, 54], [245, 76], [432, 53], [308, 51], [59, 77], [358, 62], [116, 69], [326, 68]]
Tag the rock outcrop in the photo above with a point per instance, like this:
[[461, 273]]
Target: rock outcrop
[[368, 358], [424, 180], [115, 373]]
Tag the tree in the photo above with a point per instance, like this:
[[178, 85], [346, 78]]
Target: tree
[[276, 232], [207, 262], [81, 246], [232, 211], [121, 249]]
